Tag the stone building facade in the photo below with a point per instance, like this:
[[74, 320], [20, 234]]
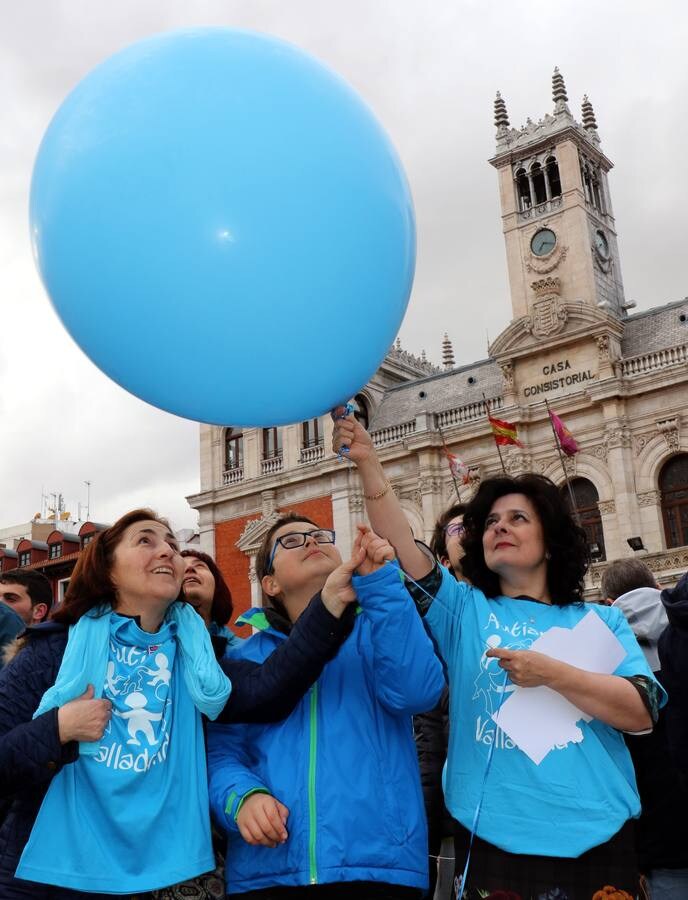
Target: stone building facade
[[619, 382]]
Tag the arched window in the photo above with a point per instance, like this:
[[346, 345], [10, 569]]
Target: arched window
[[234, 448], [538, 177], [522, 190], [361, 412], [586, 498], [552, 169], [673, 485]]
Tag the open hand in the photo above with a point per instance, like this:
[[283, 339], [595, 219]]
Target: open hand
[[262, 820], [526, 668]]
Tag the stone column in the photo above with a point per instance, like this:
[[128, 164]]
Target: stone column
[[617, 439], [256, 591], [252, 453], [347, 508], [291, 445]]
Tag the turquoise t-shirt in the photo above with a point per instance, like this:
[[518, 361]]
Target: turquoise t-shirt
[[581, 793], [134, 817]]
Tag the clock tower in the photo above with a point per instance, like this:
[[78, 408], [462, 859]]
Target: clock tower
[[557, 215]]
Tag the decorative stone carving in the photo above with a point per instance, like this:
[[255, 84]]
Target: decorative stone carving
[[601, 451], [547, 287], [606, 507], [640, 441], [517, 462], [413, 495], [602, 341], [670, 560], [570, 466], [617, 436], [508, 375], [649, 498], [547, 317], [669, 429], [549, 265], [252, 535], [428, 484], [356, 502], [269, 502]]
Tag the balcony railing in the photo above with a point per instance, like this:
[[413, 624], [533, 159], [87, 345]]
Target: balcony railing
[[468, 413], [657, 359], [271, 465], [540, 209], [233, 476], [311, 454], [393, 433]]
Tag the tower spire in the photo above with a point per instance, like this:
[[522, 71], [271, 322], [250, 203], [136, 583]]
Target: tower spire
[[501, 118], [447, 353], [559, 95], [589, 121]]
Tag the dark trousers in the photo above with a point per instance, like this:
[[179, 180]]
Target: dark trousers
[[347, 890]]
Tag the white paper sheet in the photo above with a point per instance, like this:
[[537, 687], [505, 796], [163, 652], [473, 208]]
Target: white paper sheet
[[539, 719]]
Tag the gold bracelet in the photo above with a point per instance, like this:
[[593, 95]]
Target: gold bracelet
[[379, 493]]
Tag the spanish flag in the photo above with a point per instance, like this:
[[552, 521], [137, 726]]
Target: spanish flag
[[504, 432]]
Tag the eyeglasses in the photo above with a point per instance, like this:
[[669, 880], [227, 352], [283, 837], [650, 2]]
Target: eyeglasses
[[456, 529], [295, 539]]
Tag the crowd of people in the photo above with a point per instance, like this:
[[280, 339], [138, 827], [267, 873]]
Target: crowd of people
[[349, 745]]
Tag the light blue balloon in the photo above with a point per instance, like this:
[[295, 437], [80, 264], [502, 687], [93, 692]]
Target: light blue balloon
[[224, 227]]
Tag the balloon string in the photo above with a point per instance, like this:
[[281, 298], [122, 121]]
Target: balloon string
[[460, 882]]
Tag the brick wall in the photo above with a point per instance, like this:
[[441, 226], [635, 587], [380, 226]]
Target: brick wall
[[234, 564]]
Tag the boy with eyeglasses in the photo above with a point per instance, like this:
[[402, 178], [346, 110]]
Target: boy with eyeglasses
[[328, 803]]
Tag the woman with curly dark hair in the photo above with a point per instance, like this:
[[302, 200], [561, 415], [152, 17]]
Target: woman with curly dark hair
[[567, 554], [559, 827]]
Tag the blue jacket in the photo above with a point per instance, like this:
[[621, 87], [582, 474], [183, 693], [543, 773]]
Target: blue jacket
[[344, 763], [30, 749]]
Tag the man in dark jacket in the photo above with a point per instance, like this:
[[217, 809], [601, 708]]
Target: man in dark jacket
[[660, 831], [673, 656]]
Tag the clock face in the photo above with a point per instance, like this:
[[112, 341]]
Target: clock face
[[601, 245], [543, 242]]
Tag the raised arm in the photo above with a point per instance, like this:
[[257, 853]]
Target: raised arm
[[270, 691], [384, 511], [407, 674]]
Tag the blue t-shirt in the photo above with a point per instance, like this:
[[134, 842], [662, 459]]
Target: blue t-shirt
[[134, 816], [581, 793]]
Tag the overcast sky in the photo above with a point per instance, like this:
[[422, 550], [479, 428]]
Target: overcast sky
[[430, 71]]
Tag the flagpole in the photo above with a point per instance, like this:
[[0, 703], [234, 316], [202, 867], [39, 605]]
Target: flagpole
[[574, 508], [501, 458], [446, 450]]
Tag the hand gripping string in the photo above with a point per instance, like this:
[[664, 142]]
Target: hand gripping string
[[348, 409], [460, 882]]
